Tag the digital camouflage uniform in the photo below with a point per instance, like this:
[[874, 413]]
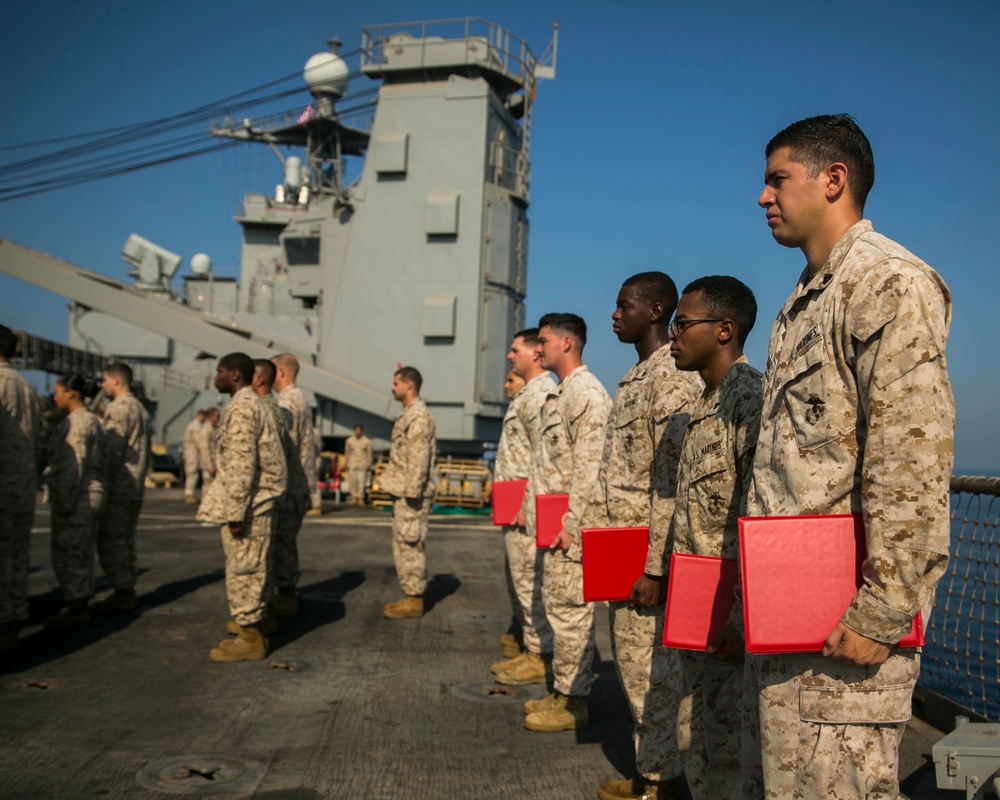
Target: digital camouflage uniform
[[858, 416], [525, 559], [635, 488], [409, 478], [250, 479], [76, 483], [192, 463], [357, 460], [207, 444], [712, 482], [19, 421], [573, 421], [513, 462], [301, 485], [126, 459]]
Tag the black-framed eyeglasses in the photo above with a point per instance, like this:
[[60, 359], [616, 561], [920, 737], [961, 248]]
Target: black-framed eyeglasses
[[678, 326]]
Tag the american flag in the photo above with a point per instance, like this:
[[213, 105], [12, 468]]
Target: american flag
[[306, 115]]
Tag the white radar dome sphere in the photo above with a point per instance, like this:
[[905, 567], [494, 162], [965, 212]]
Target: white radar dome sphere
[[326, 73], [201, 264]]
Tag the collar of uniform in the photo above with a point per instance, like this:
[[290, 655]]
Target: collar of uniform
[[810, 282], [708, 404], [641, 370]]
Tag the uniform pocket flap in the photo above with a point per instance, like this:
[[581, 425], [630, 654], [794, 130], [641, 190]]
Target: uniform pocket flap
[[854, 705]]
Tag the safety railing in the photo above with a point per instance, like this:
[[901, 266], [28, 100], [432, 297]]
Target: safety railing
[[961, 661]]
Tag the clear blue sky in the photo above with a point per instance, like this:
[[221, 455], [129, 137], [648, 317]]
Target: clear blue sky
[[647, 149]]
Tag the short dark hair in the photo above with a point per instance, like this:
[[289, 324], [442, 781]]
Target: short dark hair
[[566, 323], [411, 374], [817, 142], [359, 425], [530, 336], [123, 372], [266, 369], [656, 287], [8, 342], [239, 362], [728, 298]]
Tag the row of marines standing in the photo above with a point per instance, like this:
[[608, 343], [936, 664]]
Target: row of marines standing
[[853, 414]]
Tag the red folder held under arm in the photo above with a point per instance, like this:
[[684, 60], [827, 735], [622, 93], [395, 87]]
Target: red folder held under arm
[[549, 512], [506, 499], [613, 558], [799, 576], [699, 600]]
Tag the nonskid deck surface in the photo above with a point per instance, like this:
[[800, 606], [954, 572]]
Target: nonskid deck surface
[[346, 705]]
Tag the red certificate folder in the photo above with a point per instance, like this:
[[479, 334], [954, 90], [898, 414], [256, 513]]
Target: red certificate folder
[[699, 600], [799, 576], [613, 558], [506, 500], [549, 512]]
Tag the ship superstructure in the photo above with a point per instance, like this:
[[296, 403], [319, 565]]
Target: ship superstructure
[[420, 258]]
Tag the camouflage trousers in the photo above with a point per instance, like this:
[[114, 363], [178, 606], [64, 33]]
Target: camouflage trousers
[[524, 562], [247, 573], [191, 473], [356, 483], [73, 548], [572, 622], [291, 510], [650, 674], [409, 538], [828, 728], [15, 534], [116, 539], [716, 689]]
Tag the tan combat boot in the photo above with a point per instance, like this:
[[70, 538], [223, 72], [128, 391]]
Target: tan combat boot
[[118, 600], [531, 669], [534, 706], [407, 608], [510, 645], [73, 617], [314, 512], [502, 666], [249, 645], [285, 602], [565, 714], [641, 789]]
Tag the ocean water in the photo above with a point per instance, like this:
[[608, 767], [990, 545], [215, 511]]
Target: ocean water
[[962, 657]]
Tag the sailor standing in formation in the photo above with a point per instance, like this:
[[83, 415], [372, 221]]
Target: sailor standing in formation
[[75, 476], [409, 478], [357, 460], [251, 479], [301, 483], [192, 465], [523, 557], [19, 423], [126, 455]]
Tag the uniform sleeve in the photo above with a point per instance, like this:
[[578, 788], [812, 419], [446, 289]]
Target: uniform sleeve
[[239, 461], [909, 412], [115, 437], [673, 394], [588, 418], [66, 467], [418, 456]]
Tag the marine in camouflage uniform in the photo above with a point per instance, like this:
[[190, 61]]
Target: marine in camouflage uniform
[[712, 483], [526, 560], [189, 446], [250, 479], [635, 488], [858, 416], [409, 478], [19, 421], [574, 416], [126, 457], [208, 445], [301, 485], [76, 490], [357, 460]]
